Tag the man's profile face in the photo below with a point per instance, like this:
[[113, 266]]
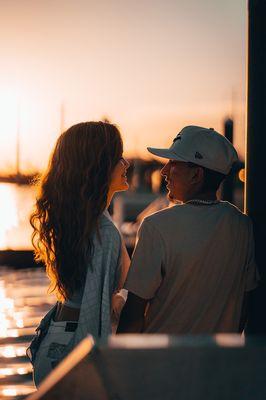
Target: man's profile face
[[178, 176]]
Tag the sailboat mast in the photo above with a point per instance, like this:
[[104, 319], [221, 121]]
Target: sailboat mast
[[18, 142], [62, 118]]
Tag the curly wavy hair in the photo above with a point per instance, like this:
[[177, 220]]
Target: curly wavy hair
[[72, 195]]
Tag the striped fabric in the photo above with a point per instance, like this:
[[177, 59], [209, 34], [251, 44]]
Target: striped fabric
[[101, 281]]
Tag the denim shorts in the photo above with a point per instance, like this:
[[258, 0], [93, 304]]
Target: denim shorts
[[52, 347]]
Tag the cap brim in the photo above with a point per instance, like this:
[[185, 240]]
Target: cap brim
[[165, 153]]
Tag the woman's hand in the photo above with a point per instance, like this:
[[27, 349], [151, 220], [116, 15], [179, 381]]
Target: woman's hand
[[118, 302]]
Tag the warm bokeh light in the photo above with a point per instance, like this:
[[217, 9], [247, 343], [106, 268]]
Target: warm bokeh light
[[15, 369], [8, 213], [12, 390], [230, 340], [9, 111], [9, 392], [241, 175], [12, 321], [156, 181], [15, 209], [6, 312], [5, 372], [134, 341], [10, 351]]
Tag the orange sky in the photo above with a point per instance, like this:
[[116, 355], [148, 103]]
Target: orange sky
[[151, 67]]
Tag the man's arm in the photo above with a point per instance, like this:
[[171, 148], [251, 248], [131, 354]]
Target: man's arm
[[132, 316]]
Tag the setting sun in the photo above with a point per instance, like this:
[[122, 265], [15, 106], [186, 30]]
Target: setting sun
[[8, 127], [8, 213]]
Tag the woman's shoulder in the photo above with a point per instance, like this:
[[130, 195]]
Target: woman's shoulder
[[107, 228]]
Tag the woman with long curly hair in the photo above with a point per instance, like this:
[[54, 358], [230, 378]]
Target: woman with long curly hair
[[75, 238]]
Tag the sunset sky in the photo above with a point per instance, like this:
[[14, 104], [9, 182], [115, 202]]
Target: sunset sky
[[151, 66]]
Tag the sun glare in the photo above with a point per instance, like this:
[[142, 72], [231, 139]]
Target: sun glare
[[9, 110], [8, 213]]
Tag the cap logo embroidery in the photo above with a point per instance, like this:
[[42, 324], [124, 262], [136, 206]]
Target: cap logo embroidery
[[198, 155]]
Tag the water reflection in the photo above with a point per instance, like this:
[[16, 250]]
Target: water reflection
[[23, 301], [13, 391], [15, 369], [6, 312], [12, 351], [16, 319]]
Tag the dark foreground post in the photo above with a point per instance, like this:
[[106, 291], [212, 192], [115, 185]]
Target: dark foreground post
[[156, 367], [255, 204], [228, 185]]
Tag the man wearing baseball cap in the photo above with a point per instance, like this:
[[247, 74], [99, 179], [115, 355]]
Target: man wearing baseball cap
[[193, 263]]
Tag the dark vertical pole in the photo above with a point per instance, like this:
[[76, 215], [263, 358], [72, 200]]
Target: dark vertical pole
[[255, 204], [227, 189], [18, 143], [229, 129]]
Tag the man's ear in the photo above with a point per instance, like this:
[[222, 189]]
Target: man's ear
[[198, 175]]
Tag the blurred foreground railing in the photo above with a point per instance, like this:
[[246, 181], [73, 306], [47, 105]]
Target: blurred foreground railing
[[155, 367]]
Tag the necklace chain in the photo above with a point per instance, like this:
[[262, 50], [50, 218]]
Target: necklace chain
[[202, 202]]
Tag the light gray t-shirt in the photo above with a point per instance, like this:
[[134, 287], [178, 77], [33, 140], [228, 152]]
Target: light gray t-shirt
[[194, 263]]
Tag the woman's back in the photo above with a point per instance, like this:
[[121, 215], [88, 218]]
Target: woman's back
[[76, 239]]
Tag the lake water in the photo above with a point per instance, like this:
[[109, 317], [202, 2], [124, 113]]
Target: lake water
[[23, 293], [23, 302]]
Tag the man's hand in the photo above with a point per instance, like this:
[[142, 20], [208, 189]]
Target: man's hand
[[132, 316]]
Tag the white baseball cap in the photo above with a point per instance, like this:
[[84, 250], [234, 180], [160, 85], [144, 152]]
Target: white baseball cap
[[201, 146]]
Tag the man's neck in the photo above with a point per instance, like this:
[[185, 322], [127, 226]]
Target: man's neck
[[209, 196]]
